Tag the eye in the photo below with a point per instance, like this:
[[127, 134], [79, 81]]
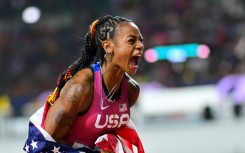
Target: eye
[[131, 41]]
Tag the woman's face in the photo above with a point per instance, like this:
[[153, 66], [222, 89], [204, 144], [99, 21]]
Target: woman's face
[[127, 47]]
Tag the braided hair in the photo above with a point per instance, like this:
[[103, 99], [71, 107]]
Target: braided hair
[[101, 29]]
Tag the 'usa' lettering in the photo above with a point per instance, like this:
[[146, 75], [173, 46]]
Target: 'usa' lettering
[[112, 121]]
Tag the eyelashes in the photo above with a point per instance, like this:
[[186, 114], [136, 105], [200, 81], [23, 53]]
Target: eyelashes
[[133, 41]]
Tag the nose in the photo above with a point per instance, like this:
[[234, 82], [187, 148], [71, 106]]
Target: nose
[[140, 45]]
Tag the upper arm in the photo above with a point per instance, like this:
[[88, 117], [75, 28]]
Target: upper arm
[[133, 90], [70, 102]]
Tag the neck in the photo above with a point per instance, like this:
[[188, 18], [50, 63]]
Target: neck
[[112, 76]]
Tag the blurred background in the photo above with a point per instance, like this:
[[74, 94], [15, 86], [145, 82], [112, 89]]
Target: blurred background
[[191, 76]]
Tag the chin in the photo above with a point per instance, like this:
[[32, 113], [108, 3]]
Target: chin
[[131, 72]]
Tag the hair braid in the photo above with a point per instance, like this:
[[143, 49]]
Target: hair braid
[[102, 29]]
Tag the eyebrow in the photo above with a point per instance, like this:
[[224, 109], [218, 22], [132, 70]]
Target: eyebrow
[[135, 36]]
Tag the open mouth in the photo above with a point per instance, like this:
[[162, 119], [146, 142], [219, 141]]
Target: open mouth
[[135, 61]]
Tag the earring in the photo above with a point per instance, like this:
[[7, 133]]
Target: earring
[[108, 57]]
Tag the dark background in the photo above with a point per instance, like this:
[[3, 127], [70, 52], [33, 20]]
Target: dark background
[[33, 55]]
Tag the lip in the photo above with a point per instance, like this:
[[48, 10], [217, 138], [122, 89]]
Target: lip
[[137, 56]]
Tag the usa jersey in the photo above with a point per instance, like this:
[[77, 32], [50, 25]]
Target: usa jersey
[[103, 116]]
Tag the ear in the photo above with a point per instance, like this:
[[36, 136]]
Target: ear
[[107, 46]]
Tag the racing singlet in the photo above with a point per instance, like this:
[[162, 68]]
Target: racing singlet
[[103, 116]]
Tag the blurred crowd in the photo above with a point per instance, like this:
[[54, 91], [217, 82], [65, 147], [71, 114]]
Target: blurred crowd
[[33, 55]]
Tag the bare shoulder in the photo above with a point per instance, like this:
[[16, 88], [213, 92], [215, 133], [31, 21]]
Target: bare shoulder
[[78, 90], [83, 76], [133, 90], [82, 79]]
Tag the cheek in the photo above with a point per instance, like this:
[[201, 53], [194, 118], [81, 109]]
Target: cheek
[[124, 57], [123, 54], [121, 59]]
